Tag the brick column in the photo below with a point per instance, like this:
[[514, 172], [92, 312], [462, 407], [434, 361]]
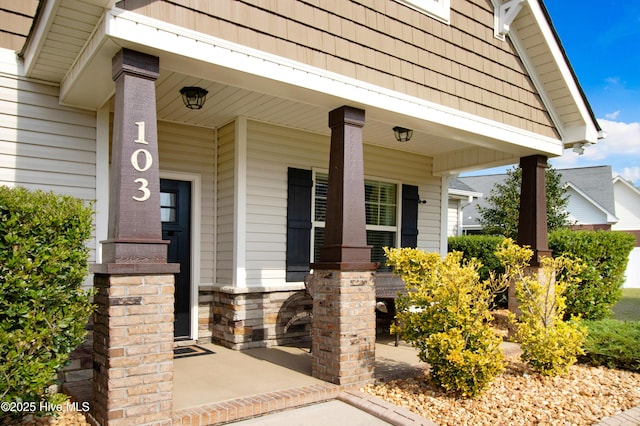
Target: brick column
[[344, 319], [133, 349], [133, 327], [343, 326]]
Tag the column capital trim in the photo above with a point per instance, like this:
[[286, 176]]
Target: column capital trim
[[139, 64]]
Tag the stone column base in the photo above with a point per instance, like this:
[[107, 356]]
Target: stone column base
[[343, 326]]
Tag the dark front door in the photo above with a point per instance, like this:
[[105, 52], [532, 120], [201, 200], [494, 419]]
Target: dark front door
[[175, 208]]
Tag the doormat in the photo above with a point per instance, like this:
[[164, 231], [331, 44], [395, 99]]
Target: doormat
[[191, 350]]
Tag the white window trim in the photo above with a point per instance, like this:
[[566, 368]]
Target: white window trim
[[438, 9], [397, 229]]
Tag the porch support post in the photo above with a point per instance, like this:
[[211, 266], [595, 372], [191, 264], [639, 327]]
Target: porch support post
[[532, 225], [133, 327], [343, 326]]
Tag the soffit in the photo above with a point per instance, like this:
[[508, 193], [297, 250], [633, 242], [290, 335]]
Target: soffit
[[533, 35], [61, 32]]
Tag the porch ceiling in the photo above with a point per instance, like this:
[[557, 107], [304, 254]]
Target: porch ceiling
[[225, 102]]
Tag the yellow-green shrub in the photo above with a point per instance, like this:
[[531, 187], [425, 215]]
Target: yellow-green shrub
[[445, 315], [549, 344]]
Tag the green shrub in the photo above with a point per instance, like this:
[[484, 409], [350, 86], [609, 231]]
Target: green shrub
[[43, 310], [613, 343], [445, 315], [605, 255], [482, 248], [549, 344]]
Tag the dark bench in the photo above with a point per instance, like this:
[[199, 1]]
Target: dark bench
[[388, 286]]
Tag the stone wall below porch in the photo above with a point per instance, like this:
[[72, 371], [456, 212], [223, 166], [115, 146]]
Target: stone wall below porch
[[242, 318]]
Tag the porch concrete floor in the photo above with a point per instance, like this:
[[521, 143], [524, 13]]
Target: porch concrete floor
[[231, 375]]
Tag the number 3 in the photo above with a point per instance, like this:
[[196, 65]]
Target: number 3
[[143, 187]]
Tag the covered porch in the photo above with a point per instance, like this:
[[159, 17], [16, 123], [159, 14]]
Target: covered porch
[[264, 116]]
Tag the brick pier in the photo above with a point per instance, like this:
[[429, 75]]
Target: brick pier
[[133, 349], [344, 326]]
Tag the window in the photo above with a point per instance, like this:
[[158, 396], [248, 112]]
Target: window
[[439, 9], [168, 206], [381, 208]]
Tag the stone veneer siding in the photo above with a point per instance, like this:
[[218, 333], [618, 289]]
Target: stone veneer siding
[[243, 318]]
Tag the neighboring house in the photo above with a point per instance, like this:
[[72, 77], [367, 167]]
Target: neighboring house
[[596, 202], [240, 184], [460, 196], [627, 199], [590, 193]]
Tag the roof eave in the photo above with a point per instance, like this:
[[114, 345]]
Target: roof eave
[[584, 131]]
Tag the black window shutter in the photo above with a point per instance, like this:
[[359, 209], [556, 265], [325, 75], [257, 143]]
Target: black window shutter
[[299, 192], [410, 202]]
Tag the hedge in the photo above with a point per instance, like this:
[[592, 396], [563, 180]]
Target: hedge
[[604, 253], [43, 309], [483, 248]]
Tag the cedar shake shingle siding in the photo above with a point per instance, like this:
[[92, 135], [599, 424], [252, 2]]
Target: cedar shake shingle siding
[[461, 65]]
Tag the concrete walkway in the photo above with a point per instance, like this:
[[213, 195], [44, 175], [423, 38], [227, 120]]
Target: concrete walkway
[[228, 385], [273, 386]]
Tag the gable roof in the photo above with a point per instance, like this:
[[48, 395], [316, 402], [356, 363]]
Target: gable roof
[[459, 188], [622, 181], [595, 184], [594, 206], [548, 64]]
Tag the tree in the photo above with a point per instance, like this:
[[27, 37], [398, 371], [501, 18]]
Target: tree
[[503, 204]]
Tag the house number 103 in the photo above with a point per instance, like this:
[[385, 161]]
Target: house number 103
[[147, 162]]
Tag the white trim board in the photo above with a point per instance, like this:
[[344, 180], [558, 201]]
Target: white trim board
[[196, 214]]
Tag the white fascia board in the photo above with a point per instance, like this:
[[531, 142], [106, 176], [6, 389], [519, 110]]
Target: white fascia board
[[125, 27], [587, 133], [464, 194]]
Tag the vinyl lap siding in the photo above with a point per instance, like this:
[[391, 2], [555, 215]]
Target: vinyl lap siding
[[44, 145], [582, 211], [627, 204], [225, 205], [272, 149], [452, 219], [191, 150]]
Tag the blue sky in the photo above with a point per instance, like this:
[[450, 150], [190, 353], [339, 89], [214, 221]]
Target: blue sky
[[602, 41]]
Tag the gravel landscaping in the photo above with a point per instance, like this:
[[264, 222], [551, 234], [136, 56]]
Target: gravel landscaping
[[584, 396]]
